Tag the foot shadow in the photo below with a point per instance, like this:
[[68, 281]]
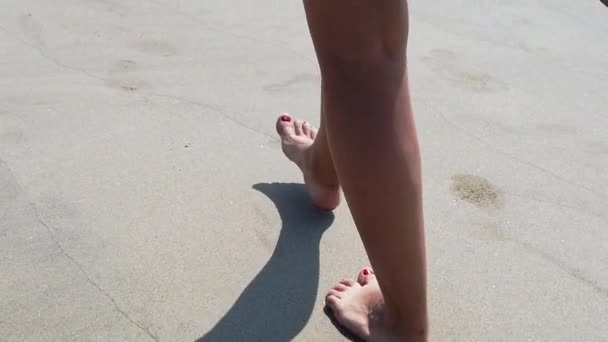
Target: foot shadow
[[278, 302]]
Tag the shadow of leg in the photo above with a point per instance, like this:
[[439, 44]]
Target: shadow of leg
[[278, 302]]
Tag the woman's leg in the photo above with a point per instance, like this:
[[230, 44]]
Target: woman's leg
[[368, 139], [371, 134]]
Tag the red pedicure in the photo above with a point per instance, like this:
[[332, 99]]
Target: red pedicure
[[365, 271], [285, 118]]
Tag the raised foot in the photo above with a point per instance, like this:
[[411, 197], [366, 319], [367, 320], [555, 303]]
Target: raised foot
[[297, 139]]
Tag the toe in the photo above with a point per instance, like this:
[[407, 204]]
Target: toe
[[285, 125], [332, 301], [341, 287], [298, 127], [348, 282], [335, 293], [365, 275], [307, 129]]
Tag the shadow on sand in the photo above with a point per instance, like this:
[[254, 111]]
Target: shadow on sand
[[278, 302]]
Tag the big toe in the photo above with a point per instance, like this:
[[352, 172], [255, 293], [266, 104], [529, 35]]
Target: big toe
[[285, 125], [365, 276]]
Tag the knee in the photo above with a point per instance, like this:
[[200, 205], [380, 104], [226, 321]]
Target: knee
[[358, 80]]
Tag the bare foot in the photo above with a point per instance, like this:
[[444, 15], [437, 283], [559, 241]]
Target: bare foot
[[297, 138], [359, 307]]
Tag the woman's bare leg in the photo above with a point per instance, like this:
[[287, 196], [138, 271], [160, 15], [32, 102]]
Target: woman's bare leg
[[371, 134]]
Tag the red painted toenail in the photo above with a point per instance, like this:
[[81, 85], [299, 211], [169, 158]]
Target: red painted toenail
[[366, 272], [286, 118]]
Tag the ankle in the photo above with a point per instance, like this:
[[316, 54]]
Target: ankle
[[406, 328], [321, 169]]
